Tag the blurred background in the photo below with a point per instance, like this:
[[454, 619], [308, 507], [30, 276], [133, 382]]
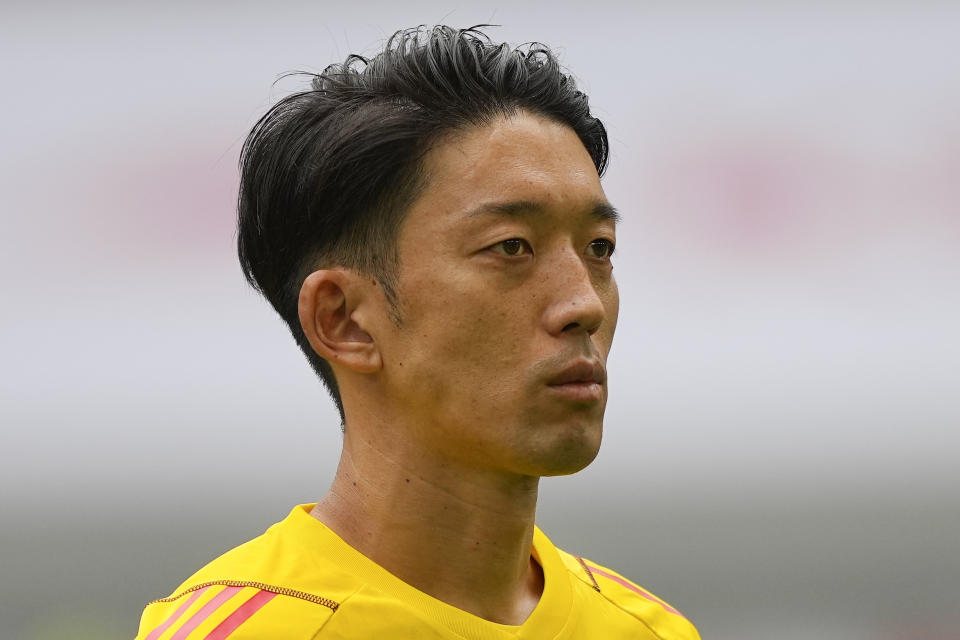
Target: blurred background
[[781, 447]]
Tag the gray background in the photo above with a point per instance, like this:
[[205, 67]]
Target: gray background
[[781, 443]]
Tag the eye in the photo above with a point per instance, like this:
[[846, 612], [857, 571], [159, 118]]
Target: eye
[[601, 248], [512, 247]]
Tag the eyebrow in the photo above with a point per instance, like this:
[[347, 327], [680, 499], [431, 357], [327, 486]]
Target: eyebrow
[[601, 210]]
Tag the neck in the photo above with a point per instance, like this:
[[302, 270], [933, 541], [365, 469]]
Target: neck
[[462, 536]]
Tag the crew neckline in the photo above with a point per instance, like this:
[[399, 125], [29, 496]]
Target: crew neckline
[[547, 620]]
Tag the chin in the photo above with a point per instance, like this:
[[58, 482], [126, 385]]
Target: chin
[[568, 454]]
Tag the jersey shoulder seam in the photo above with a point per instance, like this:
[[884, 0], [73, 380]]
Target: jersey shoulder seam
[[596, 586], [333, 605], [317, 633]]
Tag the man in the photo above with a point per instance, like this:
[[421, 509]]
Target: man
[[431, 225]]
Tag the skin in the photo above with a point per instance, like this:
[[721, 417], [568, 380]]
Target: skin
[[451, 419]]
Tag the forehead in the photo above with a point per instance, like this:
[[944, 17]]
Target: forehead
[[522, 158]]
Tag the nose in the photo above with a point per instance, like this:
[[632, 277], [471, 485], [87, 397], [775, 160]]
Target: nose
[[575, 305]]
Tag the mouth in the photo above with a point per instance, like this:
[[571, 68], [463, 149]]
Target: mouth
[[582, 381]]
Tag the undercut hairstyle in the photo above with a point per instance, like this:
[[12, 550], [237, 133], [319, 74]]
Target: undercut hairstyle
[[327, 174]]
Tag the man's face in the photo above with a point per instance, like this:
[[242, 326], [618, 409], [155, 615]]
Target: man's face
[[508, 301]]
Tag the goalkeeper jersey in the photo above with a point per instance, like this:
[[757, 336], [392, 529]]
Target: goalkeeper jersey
[[301, 581]]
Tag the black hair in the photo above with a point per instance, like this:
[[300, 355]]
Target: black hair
[[327, 174]]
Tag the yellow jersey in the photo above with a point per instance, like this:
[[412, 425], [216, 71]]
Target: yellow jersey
[[301, 581]]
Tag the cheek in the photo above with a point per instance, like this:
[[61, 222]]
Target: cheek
[[465, 347], [481, 341], [610, 298], [613, 307]]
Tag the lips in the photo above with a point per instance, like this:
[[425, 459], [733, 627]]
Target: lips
[[581, 372]]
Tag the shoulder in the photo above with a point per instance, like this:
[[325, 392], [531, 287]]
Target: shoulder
[[264, 588], [661, 618], [238, 609]]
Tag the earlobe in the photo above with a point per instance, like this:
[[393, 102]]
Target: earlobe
[[327, 306]]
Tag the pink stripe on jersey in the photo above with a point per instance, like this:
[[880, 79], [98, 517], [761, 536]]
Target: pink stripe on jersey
[[635, 589], [238, 617], [205, 612], [156, 633]]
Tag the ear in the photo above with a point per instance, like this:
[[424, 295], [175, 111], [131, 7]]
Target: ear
[[328, 302]]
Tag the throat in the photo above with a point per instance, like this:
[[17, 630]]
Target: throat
[[462, 535]]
